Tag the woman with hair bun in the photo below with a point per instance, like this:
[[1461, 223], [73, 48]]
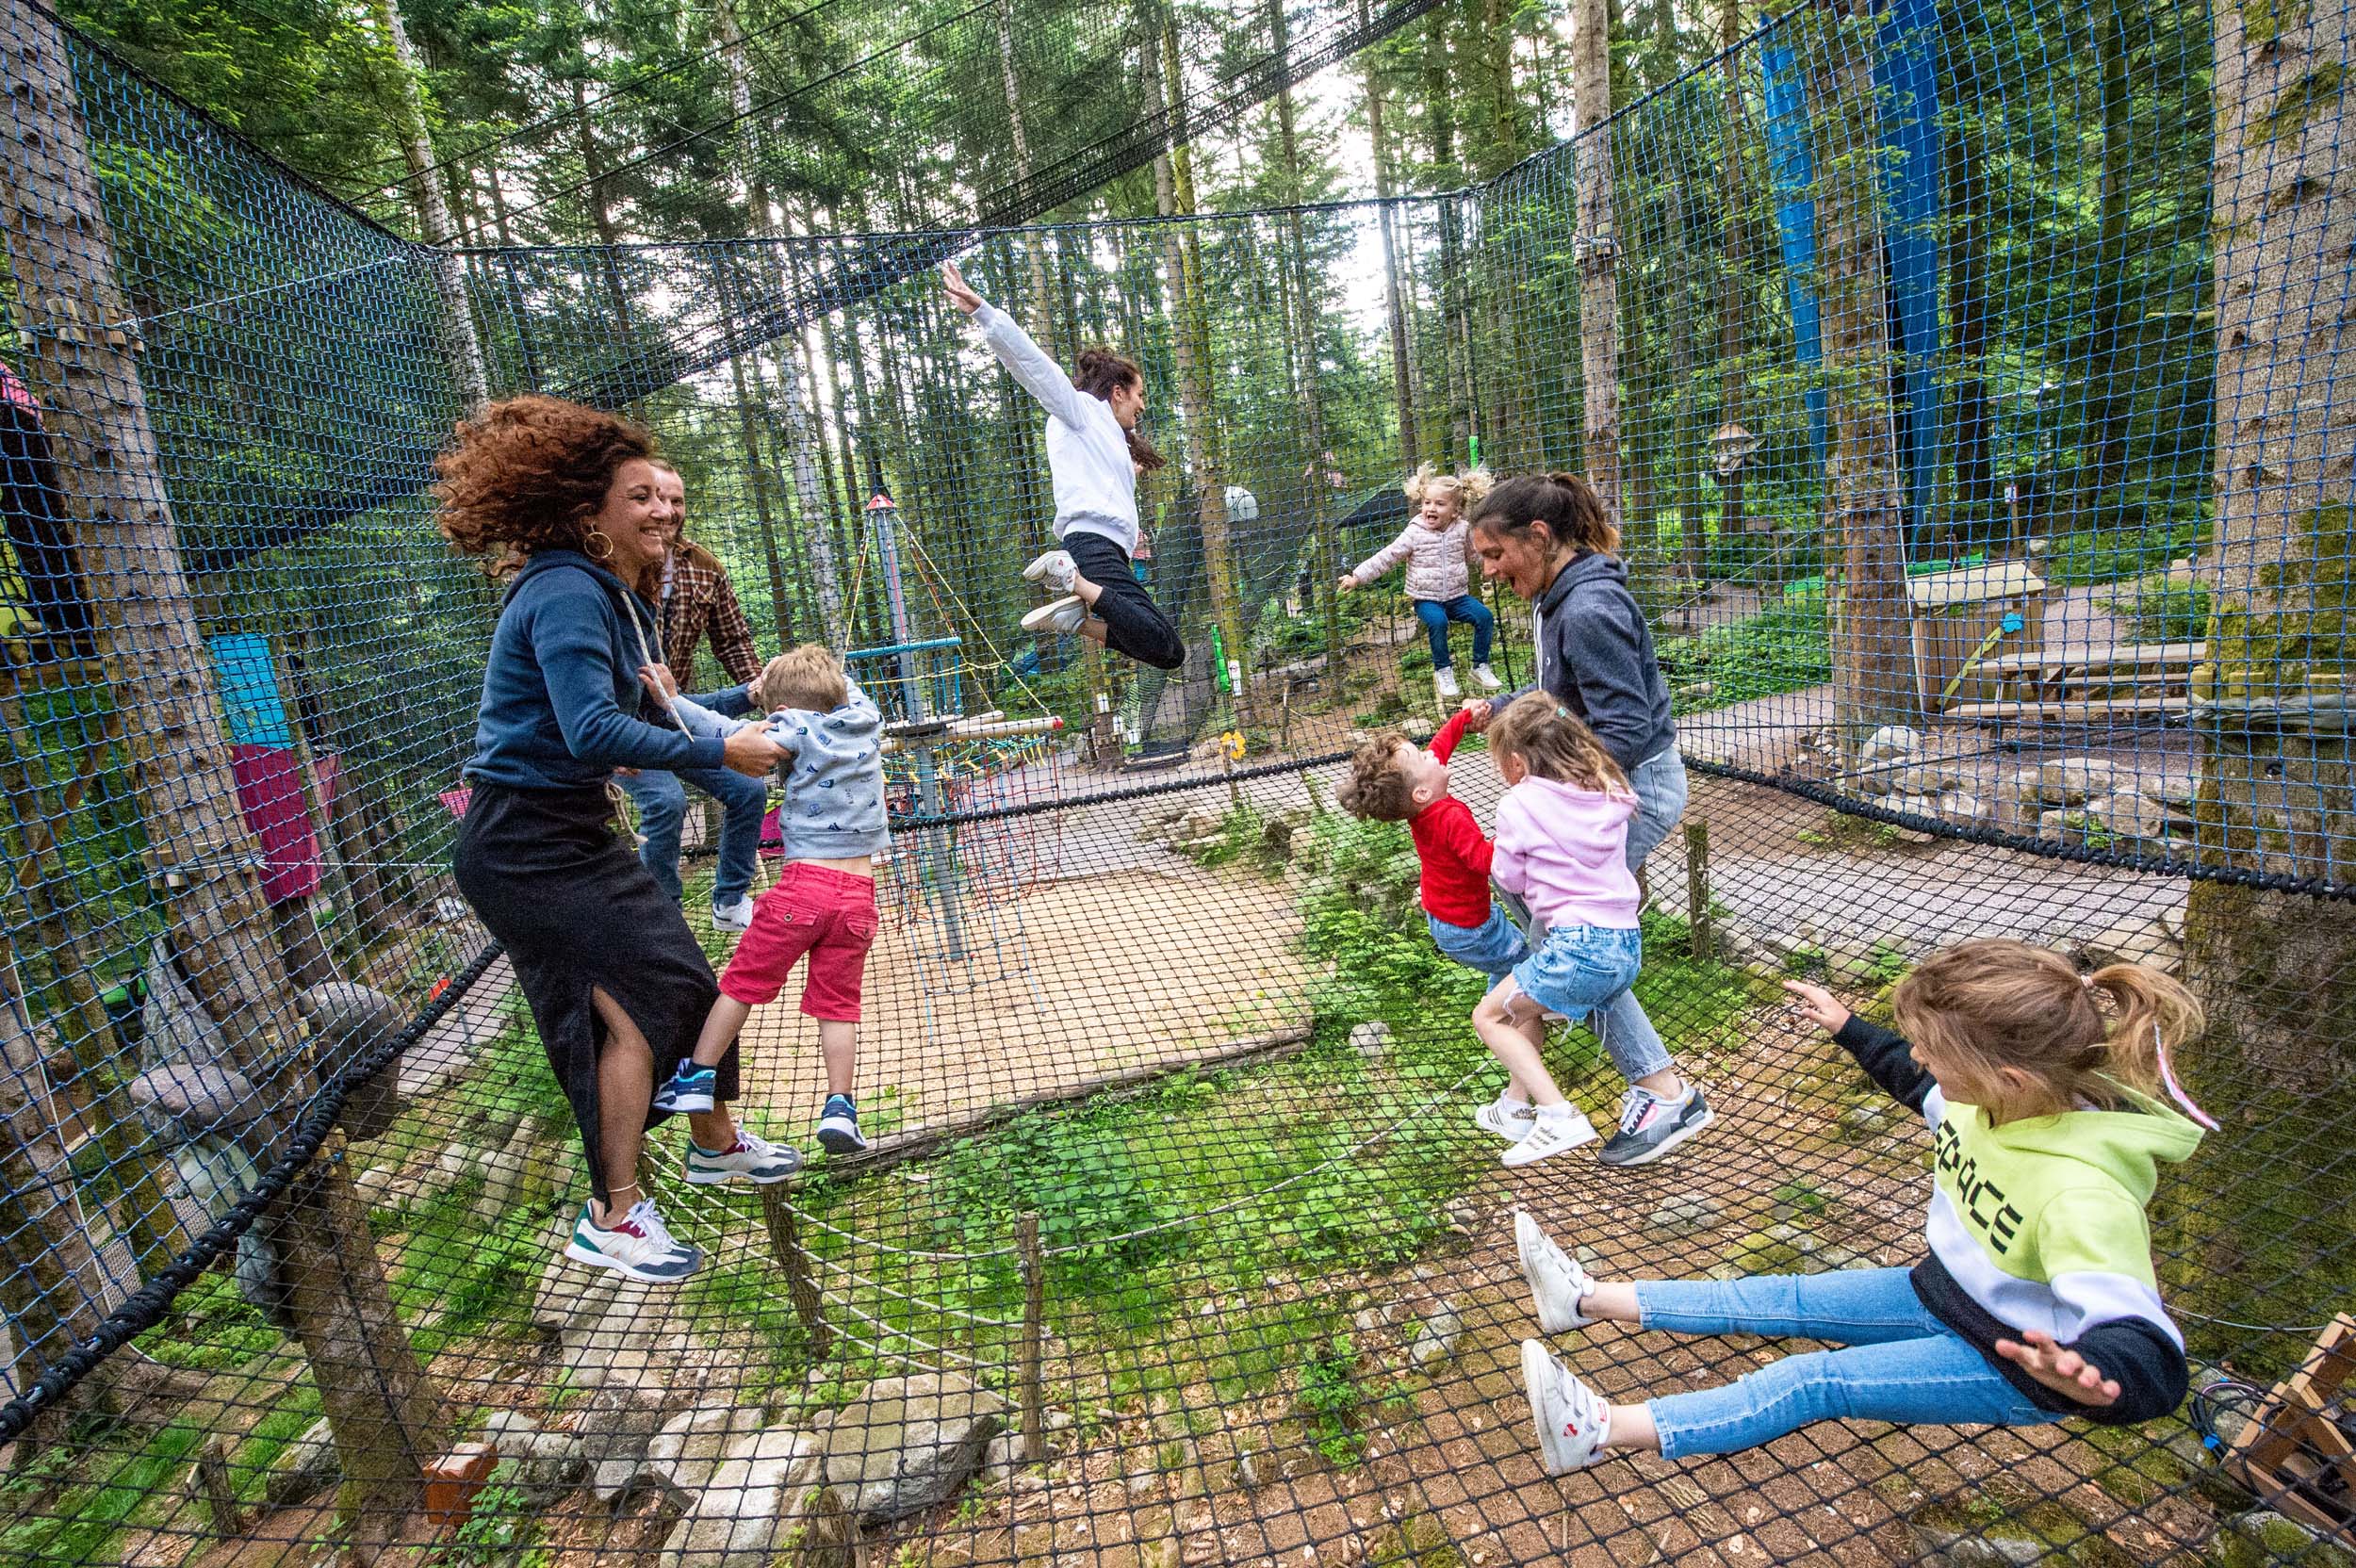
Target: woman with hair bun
[[565, 503], [1095, 456]]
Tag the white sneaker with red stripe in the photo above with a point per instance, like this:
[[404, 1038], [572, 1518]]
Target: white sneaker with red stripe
[[636, 1244], [1573, 1419], [1557, 1283], [750, 1158]]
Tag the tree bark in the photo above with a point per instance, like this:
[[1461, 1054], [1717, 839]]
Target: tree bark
[[1042, 323], [85, 373], [1455, 319], [2278, 793], [461, 346], [1734, 285], [1402, 352], [1873, 654], [2111, 373], [601, 212], [1596, 247], [1968, 312], [1319, 495]]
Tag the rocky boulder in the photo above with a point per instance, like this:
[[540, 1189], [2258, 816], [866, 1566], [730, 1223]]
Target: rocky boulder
[[760, 1486], [2145, 942], [905, 1445]]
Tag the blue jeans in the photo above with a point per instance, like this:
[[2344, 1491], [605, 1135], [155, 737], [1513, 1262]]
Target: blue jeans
[[1435, 615], [1493, 947], [1577, 969], [1661, 791], [1902, 1364], [663, 807]]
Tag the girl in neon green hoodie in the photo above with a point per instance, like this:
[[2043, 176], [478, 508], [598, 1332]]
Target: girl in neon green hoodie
[[2037, 1298]]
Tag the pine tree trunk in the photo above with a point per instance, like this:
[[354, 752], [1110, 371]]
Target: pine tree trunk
[[384, 1415], [2277, 789], [1455, 319], [1042, 323], [600, 213], [1596, 247], [1734, 303], [1320, 496], [1402, 352], [2111, 374], [462, 347], [1872, 655]]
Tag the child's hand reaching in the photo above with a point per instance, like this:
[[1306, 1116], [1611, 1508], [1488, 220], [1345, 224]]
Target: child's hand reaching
[[2061, 1370], [1818, 1006], [1348, 580], [658, 680]]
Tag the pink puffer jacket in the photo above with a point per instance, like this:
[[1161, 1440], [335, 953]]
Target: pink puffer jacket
[[1436, 566]]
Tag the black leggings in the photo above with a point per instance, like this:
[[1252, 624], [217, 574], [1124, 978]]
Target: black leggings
[[1134, 624], [32, 508]]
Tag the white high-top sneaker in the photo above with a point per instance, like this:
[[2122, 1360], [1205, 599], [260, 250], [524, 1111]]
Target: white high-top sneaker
[[1487, 678], [1444, 682]]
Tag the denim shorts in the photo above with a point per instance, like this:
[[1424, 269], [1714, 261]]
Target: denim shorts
[[1578, 969], [1493, 947]]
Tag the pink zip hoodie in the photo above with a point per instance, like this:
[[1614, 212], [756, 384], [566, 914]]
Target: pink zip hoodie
[[1564, 850]]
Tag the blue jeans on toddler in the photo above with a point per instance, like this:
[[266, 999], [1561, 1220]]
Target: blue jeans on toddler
[[1435, 615], [1493, 947], [662, 808], [1901, 1364], [1577, 969]]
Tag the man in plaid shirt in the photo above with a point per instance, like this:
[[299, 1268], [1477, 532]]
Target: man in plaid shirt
[[697, 602]]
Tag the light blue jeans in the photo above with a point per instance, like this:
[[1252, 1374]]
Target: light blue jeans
[[1621, 1024], [662, 808], [1493, 947], [1901, 1364]]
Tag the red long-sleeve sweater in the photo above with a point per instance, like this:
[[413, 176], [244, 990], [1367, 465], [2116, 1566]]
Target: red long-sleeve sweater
[[1454, 852]]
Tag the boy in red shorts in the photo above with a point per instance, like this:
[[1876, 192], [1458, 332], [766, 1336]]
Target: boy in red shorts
[[824, 903]]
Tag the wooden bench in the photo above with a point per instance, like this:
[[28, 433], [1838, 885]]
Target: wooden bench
[[2126, 681]]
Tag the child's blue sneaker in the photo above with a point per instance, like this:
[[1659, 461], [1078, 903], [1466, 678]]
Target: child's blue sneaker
[[838, 1126], [690, 1088]]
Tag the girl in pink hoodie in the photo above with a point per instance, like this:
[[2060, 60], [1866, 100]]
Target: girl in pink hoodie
[[1562, 842]]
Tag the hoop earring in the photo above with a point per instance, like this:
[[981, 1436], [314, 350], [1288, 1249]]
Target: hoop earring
[[593, 538]]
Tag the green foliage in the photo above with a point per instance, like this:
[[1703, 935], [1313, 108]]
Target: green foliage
[[76, 1498], [2173, 613], [1783, 649], [1329, 1399], [2108, 555], [1078, 1173], [501, 1530]]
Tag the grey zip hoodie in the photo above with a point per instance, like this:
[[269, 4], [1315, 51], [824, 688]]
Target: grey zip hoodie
[[834, 799], [1595, 656]]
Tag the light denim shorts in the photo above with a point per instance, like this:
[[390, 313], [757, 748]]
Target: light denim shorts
[[1578, 969]]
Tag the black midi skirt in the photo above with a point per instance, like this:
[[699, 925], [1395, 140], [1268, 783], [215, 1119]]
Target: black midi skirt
[[566, 895]]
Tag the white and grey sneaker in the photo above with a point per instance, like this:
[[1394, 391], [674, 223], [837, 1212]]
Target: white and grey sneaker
[[1557, 1283], [1487, 678], [1573, 1419], [1053, 570], [736, 915], [1551, 1133], [636, 1244], [1057, 615], [750, 1158], [1444, 682], [1510, 1119], [1651, 1126]]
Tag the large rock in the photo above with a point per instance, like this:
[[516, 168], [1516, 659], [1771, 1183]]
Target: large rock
[[192, 1099], [906, 1443], [690, 1446], [2140, 941], [537, 1460], [615, 1425], [303, 1469], [2068, 780], [2261, 1537], [1915, 779], [1685, 1213], [2130, 814], [1888, 744], [756, 1491]]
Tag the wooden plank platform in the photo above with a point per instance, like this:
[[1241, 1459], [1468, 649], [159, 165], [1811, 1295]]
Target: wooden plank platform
[[2066, 711], [2124, 656]]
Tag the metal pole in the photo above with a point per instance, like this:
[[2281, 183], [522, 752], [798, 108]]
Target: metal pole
[[939, 852]]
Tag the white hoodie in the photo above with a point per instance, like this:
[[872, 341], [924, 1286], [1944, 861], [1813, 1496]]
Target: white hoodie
[[1088, 452]]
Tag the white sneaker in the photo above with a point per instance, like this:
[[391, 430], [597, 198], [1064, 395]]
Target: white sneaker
[[1488, 679], [1573, 1419], [1053, 570], [1444, 682], [636, 1244], [1556, 1282], [1551, 1133], [1064, 614], [1509, 1119], [736, 915], [750, 1158]]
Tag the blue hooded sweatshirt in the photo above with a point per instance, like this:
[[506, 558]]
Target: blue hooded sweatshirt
[[561, 693]]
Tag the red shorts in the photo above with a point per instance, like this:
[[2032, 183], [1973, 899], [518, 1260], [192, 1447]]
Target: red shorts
[[830, 915]]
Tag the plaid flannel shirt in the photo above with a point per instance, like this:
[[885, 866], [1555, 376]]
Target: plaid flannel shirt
[[699, 600]]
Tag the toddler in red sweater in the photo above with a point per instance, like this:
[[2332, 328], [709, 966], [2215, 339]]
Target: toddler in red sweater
[[1393, 780]]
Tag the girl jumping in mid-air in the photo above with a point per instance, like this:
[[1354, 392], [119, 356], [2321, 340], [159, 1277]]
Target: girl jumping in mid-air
[[1437, 548], [2037, 1299], [1562, 847], [1095, 455]]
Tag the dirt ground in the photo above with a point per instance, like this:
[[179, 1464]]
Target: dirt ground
[[1069, 982]]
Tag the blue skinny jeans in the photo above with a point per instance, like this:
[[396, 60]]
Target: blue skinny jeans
[[1435, 615]]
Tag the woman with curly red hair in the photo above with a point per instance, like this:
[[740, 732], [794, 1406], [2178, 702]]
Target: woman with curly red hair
[[564, 502]]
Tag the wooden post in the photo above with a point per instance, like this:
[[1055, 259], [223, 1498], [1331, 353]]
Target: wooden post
[[801, 1280], [1703, 940], [1597, 248], [1032, 1395], [82, 363], [220, 1497]]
